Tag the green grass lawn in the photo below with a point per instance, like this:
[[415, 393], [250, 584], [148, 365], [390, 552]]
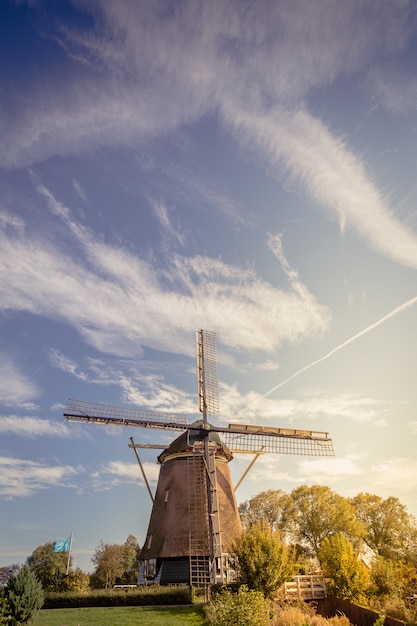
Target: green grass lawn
[[122, 616]]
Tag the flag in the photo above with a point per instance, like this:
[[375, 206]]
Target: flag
[[62, 546]]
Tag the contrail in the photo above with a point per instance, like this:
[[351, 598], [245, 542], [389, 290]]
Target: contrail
[[399, 309]]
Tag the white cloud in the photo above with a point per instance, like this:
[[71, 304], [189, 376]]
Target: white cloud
[[273, 470], [265, 366], [118, 472], [327, 470], [34, 427], [132, 470], [16, 389], [316, 403], [21, 478], [396, 475]]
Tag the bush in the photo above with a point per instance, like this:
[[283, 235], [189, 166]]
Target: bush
[[24, 595], [262, 559], [244, 608], [77, 580], [395, 608], [302, 614]]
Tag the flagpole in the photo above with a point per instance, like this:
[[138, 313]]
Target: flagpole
[[69, 554]]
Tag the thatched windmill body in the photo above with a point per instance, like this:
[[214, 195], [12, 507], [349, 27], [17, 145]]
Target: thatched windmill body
[[194, 514]]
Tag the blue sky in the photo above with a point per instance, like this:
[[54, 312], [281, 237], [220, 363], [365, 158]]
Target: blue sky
[[246, 168]]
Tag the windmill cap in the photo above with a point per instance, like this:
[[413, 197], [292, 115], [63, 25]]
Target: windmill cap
[[192, 436]]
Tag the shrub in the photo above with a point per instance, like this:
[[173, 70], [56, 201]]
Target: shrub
[[24, 595], [244, 608]]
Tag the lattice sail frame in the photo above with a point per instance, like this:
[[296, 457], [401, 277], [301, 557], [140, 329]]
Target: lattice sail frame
[[208, 388], [99, 413], [239, 438], [317, 444]]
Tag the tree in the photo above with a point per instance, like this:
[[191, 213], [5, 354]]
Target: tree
[[262, 559], [6, 572], [131, 560], [77, 580], [115, 563], [389, 530], [348, 575], [50, 567], [274, 506], [392, 579], [24, 595], [319, 512]]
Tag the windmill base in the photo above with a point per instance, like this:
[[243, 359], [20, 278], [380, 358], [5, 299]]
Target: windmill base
[[183, 571], [169, 571]]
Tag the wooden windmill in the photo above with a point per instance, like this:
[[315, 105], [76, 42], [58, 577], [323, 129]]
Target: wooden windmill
[[194, 514]]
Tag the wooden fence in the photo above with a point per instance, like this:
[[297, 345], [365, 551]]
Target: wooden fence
[[306, 588]]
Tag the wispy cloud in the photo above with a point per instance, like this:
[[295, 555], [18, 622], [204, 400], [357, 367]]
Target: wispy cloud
[[157, 74], [22, 478], [65, 364], [321, 166], [146, 389], [187, 62], [396, 91], [79, 190], [87, 292], [16, 389], [171, 231], [138, 386]]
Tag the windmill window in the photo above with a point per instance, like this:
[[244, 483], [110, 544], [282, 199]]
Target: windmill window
[[150, 568], [166, 495], [149, 541]]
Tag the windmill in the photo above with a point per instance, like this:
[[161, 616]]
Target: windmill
[[194, 514]]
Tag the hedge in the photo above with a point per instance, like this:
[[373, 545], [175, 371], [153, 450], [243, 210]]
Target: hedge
[[141, 596]]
